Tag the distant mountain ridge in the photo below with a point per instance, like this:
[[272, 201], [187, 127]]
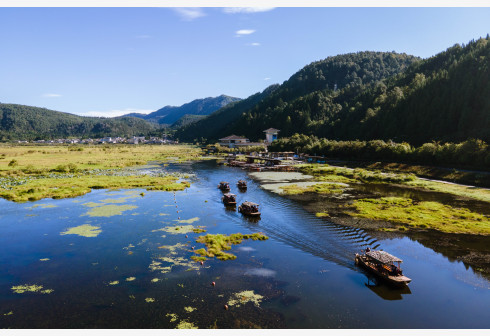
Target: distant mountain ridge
[[169, 115]]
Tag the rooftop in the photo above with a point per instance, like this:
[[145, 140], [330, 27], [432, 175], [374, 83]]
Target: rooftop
[[233, 137], [383, 256], [271, 130]]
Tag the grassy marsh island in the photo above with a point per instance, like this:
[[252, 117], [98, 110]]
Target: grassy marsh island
[[324, 172], [216, 244], [403, 212], [30, 173], [425, 215]]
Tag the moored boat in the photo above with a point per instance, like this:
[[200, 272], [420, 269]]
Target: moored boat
[[224, 186], [242, 184], [249, 209], [229, 199], [382, 264]]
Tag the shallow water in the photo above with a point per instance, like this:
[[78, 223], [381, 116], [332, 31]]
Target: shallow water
[[305, 272]]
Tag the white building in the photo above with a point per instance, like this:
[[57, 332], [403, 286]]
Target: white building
[[270, 135], [233, 140]]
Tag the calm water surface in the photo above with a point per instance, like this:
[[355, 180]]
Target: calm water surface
[[305, 272]]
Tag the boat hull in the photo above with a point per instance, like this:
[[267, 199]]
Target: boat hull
[[394, 280]]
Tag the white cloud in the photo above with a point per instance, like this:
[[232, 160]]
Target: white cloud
[[143, 36], [247, 10], [267, 78], [189, 13], [242, 32], [113, 113], [51, 95], [254, 44]]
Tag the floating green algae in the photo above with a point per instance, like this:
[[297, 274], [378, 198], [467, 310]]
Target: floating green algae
[[109, 210], [181, 229], [184, 324], [163, 214], [189, 309], [43, 206], [157, 266], [113, 283], [431, 215], [150, 300], [173, 248], [9, 313], [85, 230], [241, 298], [31, 288], [155, 280], [119, 199], [130, 279], [218, 243], [44, 259], [322, 214], [173, 261], [173, 317], [187, 221]]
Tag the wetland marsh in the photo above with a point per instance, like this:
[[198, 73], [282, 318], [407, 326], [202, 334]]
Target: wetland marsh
[[131, 258]]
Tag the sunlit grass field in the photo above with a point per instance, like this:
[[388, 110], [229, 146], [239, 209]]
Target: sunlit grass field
[[16, 159], [30, 173]]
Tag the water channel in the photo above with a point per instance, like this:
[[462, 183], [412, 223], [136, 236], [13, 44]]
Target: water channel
[[135, 272]]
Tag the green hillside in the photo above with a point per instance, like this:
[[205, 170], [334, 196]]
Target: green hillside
[[443, 98], [307, 98], [30, 123]]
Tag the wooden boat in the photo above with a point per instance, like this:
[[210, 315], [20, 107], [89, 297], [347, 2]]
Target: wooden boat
[[382, 264], [242, 184], [225, 186], [229, 199], [249, 209]]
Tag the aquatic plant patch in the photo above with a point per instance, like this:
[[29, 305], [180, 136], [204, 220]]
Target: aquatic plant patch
[[85, 230], [174, 248], [181, 229], [216, 244], [241, 298], [109, 210], [187, 221], [432, 215], [31, 289]]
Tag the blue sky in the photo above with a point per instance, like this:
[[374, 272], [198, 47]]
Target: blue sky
[[110, 61]]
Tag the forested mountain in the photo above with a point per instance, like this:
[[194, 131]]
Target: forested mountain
[[307, 98], [217, 124], [373, 95], [23, 122], [442, 98], [168, 115]]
